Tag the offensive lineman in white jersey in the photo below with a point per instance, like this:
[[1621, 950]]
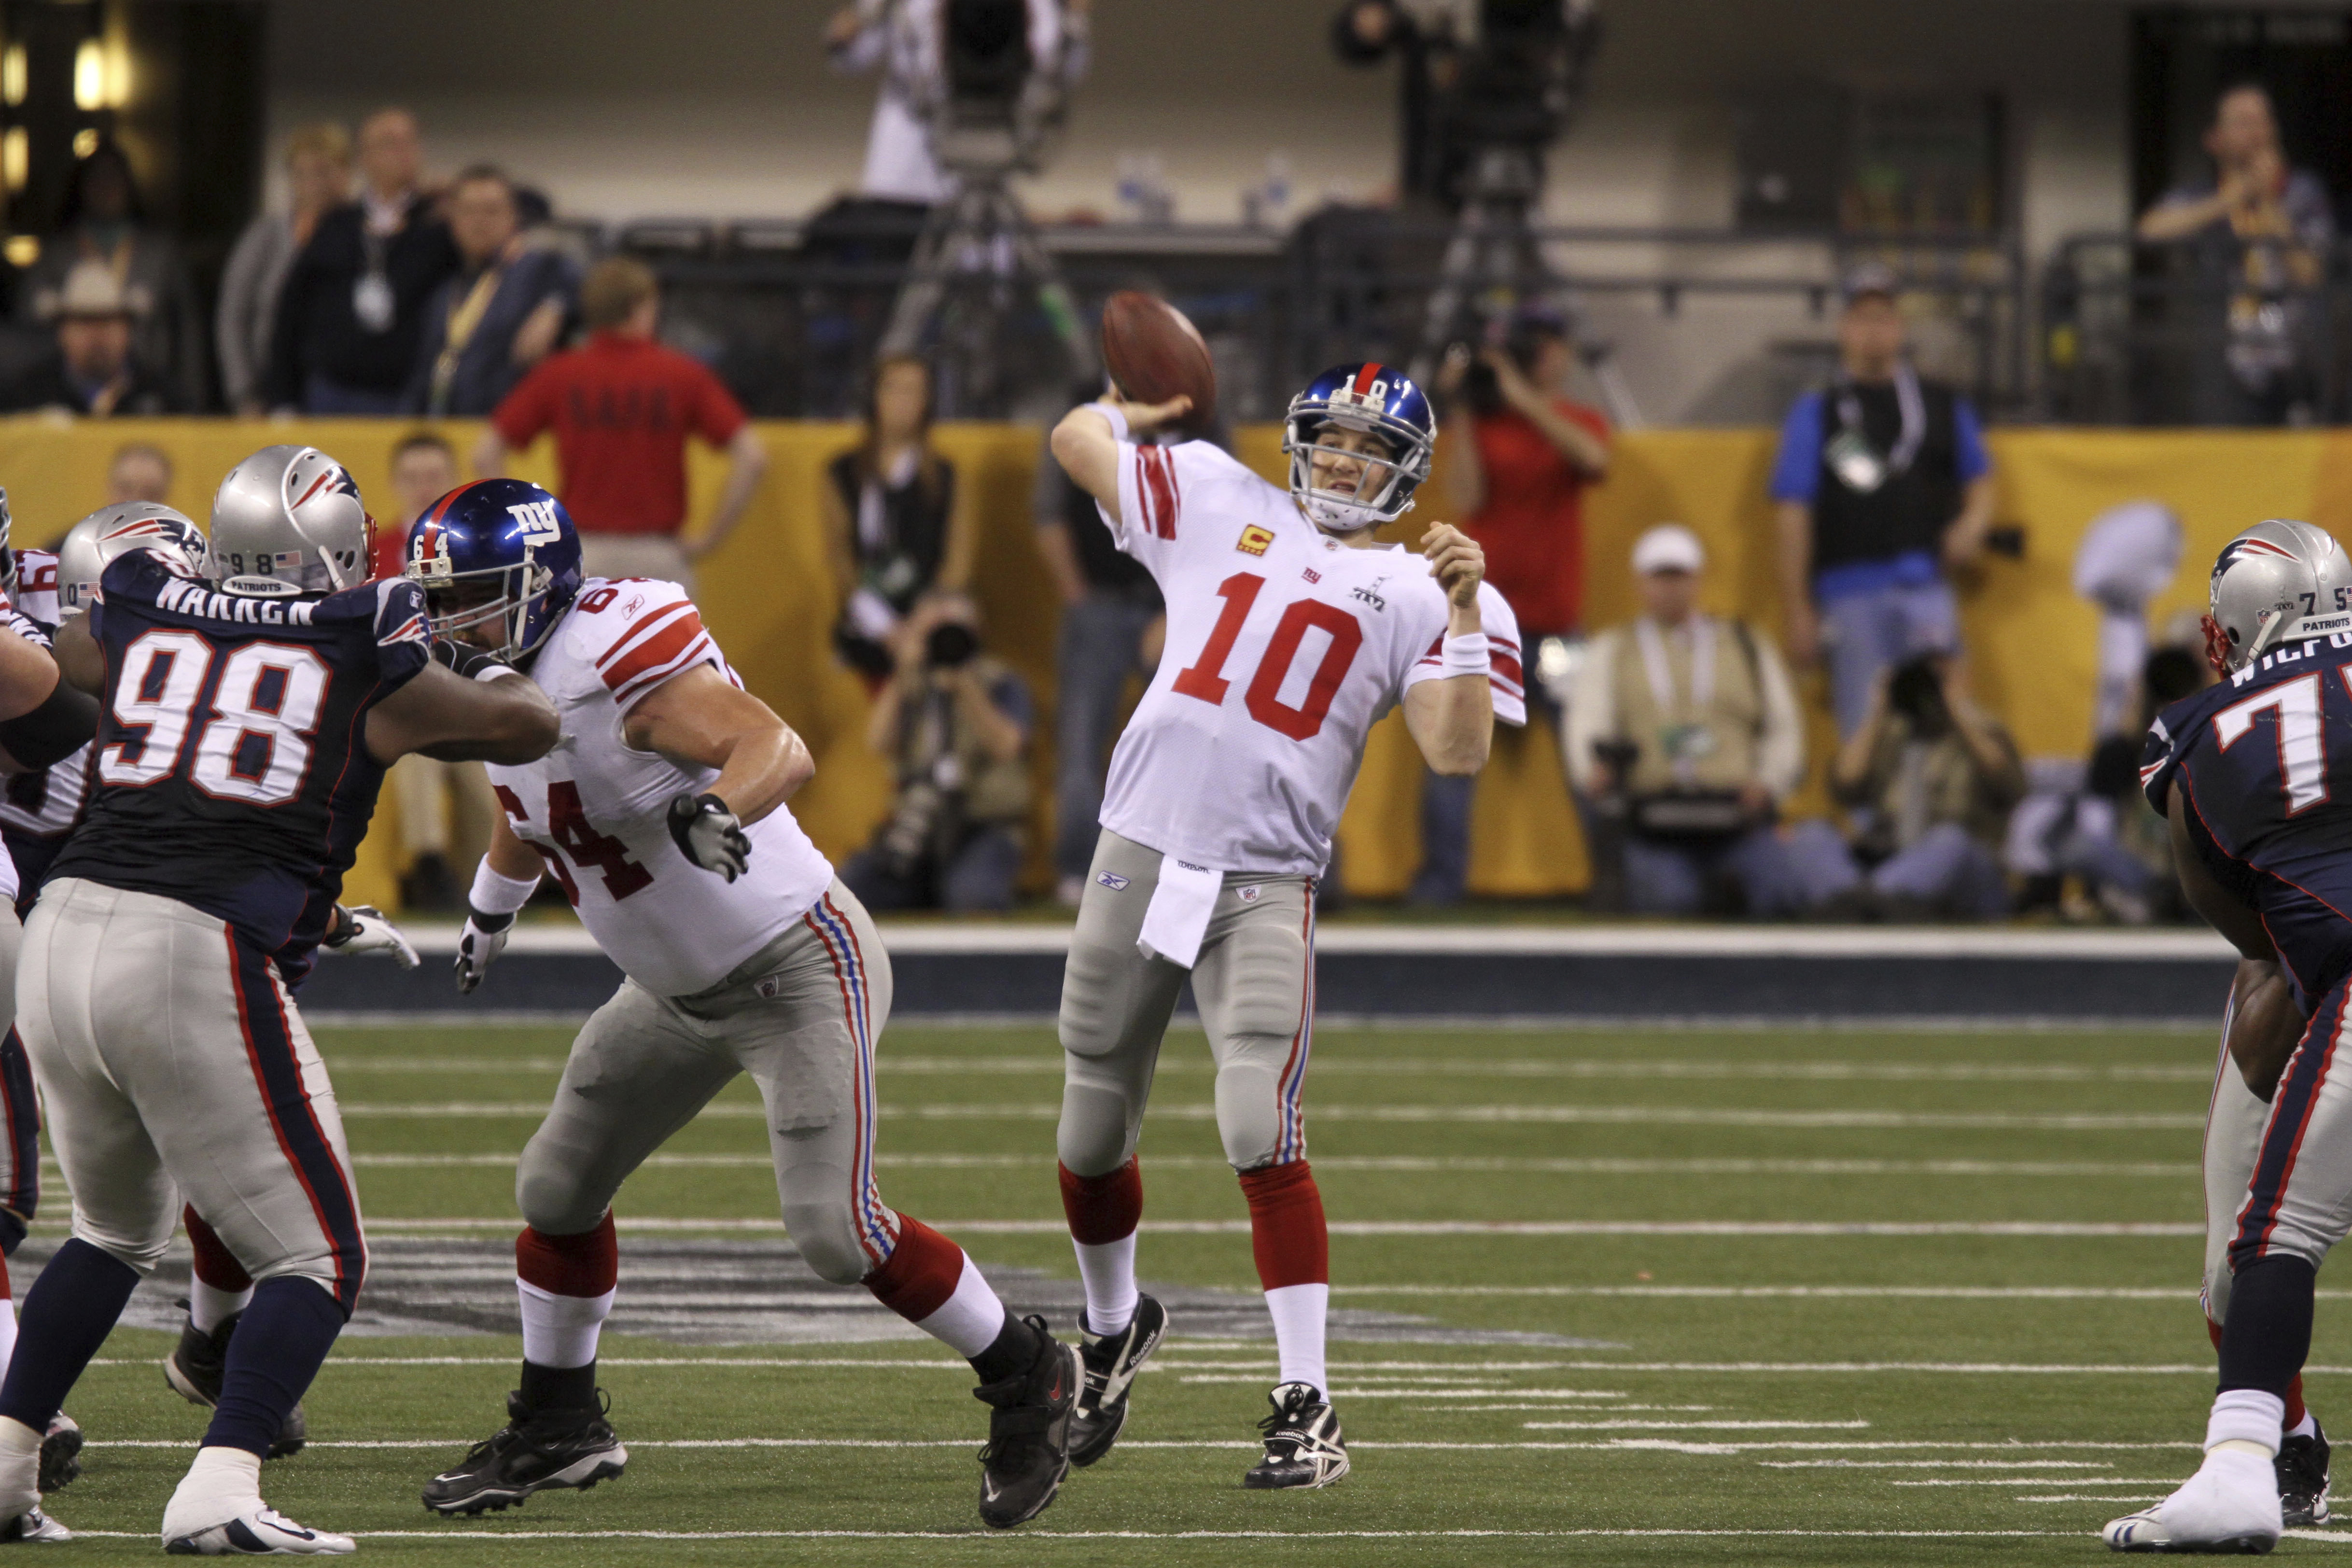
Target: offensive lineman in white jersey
[[662, 813], [1290, 631]]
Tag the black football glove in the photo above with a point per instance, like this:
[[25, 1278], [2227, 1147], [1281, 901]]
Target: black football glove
[[478, 946], [471, 662], [708, 834]]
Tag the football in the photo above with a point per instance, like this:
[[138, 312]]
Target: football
[[1153, 353]]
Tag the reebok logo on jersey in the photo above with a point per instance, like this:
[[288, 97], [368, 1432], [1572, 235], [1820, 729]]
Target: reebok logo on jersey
[[1112, 881], [1255, 540]]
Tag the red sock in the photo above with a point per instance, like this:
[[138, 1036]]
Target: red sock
[[587, 1263], [2294, 1406], [921, 1272], [1104, 1208], [216, 1265], [1286, 1230]]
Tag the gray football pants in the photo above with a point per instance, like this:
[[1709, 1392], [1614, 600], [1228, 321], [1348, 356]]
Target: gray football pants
[[173, 1064], [799, 1015], [1255, 984], [2275, 1180]]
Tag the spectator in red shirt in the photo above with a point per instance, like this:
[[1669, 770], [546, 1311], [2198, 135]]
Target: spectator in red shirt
[[621, 407], [1518, 455]]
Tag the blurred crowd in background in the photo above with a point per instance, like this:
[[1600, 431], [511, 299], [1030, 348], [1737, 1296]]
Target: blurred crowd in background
[[379, 292]]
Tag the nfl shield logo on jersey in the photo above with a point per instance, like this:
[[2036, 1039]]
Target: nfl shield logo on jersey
[[1249, 894]]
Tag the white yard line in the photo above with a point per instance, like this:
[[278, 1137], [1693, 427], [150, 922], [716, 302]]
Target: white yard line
[[1091, 1535], [1639, 1069], [409, 1227], [1603, 1115], [2044, 1481], [2055, 1169], [1933, 1465]]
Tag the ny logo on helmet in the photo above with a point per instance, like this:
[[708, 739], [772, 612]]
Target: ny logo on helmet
[[538, 520]]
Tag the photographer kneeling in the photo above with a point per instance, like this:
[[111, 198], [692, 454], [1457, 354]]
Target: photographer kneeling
[[1931, 779], [1689, 724], [955, 724]]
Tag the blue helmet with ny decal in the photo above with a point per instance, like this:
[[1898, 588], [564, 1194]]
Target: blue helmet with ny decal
[[500, 563], [1339, 484]]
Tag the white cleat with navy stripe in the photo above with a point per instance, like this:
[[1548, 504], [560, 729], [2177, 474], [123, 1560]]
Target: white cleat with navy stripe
[[2230, 1506], [260, 1531]]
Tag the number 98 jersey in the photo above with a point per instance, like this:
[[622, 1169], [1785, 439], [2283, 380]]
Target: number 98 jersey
[[231, 761], [2265, 760], [1285, 647], [598, 813]]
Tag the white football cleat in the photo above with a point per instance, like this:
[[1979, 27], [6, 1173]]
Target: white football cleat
[[2229, 1505], [260, 1531], [33, 1525]]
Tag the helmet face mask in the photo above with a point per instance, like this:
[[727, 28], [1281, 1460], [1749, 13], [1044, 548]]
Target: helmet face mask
[[499, 563], [1358, 441]]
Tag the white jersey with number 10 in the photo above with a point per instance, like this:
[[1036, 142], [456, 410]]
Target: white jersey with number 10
[[1285, 647], [598, 812]]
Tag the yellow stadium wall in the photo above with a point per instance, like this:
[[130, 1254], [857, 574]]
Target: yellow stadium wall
[[766, 597]]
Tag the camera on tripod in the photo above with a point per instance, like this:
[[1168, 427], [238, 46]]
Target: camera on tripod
[[998, 102], [1516, 86]]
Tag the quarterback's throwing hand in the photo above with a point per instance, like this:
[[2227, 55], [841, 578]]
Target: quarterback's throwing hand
[[708, 834], [362, 928], [484, 938], [1456, 561]]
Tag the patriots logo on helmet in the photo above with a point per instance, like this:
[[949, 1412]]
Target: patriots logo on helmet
[[2239, 549]]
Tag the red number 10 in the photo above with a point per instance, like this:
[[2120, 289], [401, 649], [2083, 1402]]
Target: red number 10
[[1262, 698]]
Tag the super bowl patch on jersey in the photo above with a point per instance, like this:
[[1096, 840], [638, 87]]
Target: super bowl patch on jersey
[[1112, 881]]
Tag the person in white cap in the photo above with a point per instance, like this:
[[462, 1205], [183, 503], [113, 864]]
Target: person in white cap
[[1690, 723], [93, 372]]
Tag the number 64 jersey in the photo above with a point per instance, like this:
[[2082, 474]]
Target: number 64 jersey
[[1284, 648], [598, 812], [2264, 761]]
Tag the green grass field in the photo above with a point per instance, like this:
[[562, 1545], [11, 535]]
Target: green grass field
[[1970, 1381]]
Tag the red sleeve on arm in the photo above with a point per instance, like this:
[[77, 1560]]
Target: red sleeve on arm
[[528, 409], [716, 414]]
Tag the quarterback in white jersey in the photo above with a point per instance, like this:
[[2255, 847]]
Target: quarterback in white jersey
[[661, 812], [1290, 632]]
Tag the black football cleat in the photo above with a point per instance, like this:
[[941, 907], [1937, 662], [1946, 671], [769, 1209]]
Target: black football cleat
[[535, 1450], [2303, 1480], [195, 1368], [1111, 1363], [1028, 1450], [1303, 1445], [61, 1453]]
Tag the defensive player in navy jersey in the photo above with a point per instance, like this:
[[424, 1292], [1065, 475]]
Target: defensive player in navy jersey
[[246, 719], [2254, 776]]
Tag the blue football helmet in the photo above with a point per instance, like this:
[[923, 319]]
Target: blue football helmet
[[1376, 400], [496, 550]]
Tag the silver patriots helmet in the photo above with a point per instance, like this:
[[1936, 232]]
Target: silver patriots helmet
[[2279, 581], [92, 546], [289, 521]]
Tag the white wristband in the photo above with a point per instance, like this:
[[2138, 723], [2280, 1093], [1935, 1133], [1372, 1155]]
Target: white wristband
[[1465, 655], [1114, 417], [494, 893]]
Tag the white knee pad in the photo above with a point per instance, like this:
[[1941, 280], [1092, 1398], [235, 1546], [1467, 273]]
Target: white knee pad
[[1098, 1132], [827, 1240]]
